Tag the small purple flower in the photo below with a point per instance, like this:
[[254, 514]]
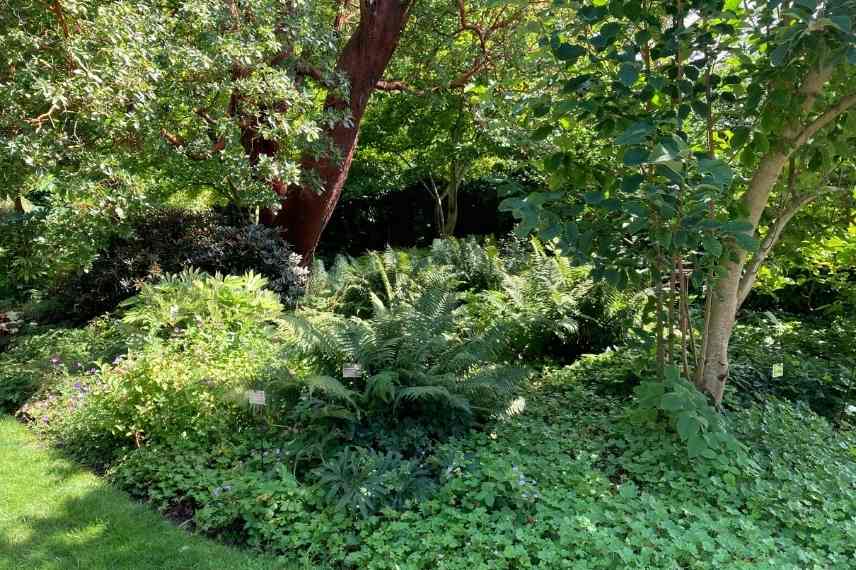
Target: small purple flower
[[45, 419], [118, 359], [93, 370], [56, 360], [79, 365]]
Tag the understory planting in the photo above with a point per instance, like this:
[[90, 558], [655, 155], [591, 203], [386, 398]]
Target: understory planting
[[429, 284], [447, 408]]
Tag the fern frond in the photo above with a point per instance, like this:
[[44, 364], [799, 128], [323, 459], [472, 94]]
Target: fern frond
[[381, 387], [331, 387], [433, 393]]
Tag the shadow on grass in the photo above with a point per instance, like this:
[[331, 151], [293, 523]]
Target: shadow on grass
[[56, 515]]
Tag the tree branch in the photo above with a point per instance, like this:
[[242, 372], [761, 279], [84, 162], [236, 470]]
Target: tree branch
[[823, 120], [772, 238], [46, 116], [179, 143], [482, 34]]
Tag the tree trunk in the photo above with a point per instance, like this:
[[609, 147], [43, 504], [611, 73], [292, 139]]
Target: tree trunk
[[456, 176], [305, 212], [725, 299], [19, 205], [722, 316]]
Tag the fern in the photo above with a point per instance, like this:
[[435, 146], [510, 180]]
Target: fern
[[414, 361]]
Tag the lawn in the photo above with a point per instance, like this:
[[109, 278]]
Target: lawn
[[53, 514]]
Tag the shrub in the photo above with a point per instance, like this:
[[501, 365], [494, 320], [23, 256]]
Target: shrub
[[570, 482], [58, 238], [552, 310], [192, 302], [37, 361], [171, 240], [204, 342], [477, 267], [365, 482]]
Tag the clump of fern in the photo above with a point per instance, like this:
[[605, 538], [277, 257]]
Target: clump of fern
[[550, 309], [478, 267], [415, 364], [347, 287]]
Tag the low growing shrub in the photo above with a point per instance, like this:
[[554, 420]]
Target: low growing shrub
[[818, 358], [203, 342], [38, 360]]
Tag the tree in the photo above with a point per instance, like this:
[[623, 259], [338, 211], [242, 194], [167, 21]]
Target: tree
[[707, 103], [220, 94]]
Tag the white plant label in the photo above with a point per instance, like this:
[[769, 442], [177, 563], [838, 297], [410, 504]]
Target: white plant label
[[257, 397], [352, 371], [778, 370]]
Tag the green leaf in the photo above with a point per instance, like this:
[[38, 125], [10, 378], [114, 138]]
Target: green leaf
[[696, 445], [737, 226], [688, 425], [741, 135], [717, 172], [747, 242], [543, 132], [628, 73], [851, 55], [551, 232], [635, 133], [636, 226], [673, 402], [569, 53], [628, 490], [841, 22], [672, 374], [631, 183], [634, 156], [779, 55], [591, 13], [712, 246], [760, 142], [662, 154], [700, 108], [594, 197]]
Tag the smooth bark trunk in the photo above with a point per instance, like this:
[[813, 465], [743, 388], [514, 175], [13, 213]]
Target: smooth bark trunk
[[727, 295], [305, 212]]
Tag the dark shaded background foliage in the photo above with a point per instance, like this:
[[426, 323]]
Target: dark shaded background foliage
[[168, 240], [405, 217]]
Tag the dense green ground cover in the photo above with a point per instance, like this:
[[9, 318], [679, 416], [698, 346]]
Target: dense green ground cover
[[54, 515], [476, 436]]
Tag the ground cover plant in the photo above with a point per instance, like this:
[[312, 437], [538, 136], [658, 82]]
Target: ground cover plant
[[444, 451]]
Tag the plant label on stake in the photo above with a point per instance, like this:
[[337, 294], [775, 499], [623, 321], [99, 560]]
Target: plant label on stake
[[257, 397], [778, 370], [352, 371]]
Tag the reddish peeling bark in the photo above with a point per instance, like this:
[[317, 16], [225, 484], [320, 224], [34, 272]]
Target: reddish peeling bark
[[305, 212]]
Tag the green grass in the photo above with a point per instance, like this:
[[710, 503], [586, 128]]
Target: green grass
[[53, 514]]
